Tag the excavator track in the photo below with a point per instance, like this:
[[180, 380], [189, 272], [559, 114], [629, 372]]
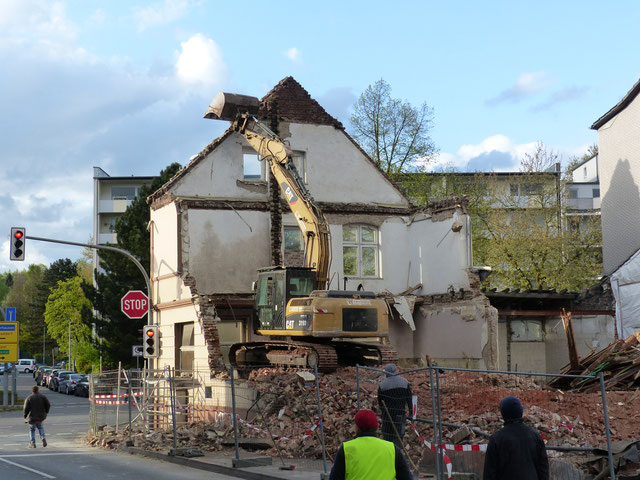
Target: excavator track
[[306, 355]]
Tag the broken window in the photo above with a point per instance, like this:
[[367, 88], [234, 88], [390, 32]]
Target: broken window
[[293, 239], [184, 336], [526, 330], [253, 167], [299, 162], [360, 250]]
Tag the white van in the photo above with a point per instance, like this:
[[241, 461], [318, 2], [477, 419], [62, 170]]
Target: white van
[[26, 365]]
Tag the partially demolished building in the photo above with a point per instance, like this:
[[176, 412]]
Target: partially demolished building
[[221, 218]]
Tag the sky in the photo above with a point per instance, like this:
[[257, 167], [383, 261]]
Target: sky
[[123, 85]]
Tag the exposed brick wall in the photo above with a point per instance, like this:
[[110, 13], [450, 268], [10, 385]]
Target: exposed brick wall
[[207, 316], [275, 205], [294, 258]]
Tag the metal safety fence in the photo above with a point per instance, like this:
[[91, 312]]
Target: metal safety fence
[[256, 408], [428, 426]]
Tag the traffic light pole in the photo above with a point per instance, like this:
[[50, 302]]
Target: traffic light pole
[[112, 249]]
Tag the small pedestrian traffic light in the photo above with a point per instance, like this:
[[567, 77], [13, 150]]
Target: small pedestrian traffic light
[[16, 249], [151, 341]]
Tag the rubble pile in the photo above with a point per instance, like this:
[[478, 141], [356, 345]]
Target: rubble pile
[[619, 362], [287, 407]]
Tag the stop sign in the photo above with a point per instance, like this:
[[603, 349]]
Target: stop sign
[[134, 304]]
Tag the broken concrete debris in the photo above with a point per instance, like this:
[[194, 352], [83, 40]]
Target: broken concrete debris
[[287, 407]]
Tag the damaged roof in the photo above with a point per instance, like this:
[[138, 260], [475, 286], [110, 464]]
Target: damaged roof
[[287, 101], [620, 106]]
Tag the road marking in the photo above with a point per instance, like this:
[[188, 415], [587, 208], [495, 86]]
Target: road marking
[[42, 474], [34, 454]]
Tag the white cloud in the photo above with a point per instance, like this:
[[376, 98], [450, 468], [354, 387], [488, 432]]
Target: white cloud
[[161, 13], [494, 153], [35, 19], [200, 61], [527, 84], [294, 55]]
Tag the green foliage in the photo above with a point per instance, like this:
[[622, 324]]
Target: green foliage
[[519, 226], [393, 132], [120, 275], [24, 291], [68, 315], [6, 280]]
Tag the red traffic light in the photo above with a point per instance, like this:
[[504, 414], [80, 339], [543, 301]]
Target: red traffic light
[[18, 234], [150, 332]]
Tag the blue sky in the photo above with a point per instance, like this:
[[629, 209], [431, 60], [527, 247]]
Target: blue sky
[[123, 84]]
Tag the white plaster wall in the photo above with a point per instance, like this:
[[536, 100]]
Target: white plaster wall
[[411, 252], [168, 318], [226, 248], [164, 257], [164, 233], [217, 175], [337, 171], [451, 332], [619, 164], [591, 333]]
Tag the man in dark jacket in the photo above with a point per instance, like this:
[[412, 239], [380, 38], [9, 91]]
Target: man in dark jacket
[[516, 451], [368, 457], [36, 408], [394, 394]]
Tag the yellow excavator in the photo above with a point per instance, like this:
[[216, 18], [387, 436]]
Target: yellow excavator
[[308, 324]]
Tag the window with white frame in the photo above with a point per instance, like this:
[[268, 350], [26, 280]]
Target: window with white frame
[[299, 161], [360, 250], [253, 168]]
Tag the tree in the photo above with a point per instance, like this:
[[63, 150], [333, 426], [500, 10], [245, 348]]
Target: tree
[[68, 315], [61, 269], [519, 225], [119, 333], [23, 291], [393, 133]]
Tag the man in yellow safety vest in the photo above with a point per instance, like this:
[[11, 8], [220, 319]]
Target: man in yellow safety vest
[[368, 457]]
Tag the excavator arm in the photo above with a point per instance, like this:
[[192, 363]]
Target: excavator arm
[[240, 110]]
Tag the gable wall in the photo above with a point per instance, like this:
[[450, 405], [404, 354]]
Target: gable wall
[[336, 169], [619, 163]]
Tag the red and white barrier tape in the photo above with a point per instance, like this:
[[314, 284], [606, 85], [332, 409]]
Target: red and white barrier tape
[[447, 460], [116, 396]]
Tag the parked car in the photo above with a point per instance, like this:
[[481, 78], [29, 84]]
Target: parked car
[[68, 384], [26, 365], [6, 366], [82, 388], [39, 374], [56, 376]]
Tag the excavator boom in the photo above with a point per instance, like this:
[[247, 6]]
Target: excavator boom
[[240, 110]]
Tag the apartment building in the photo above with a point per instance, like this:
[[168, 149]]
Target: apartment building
[[111, 197]]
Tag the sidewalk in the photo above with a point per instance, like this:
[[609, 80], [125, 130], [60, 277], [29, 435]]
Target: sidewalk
[[219, 462]]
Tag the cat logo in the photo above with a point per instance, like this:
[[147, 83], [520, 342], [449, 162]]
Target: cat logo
[[288, 192]]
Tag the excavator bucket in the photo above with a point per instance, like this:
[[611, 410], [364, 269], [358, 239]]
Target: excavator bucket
[[227, 106]]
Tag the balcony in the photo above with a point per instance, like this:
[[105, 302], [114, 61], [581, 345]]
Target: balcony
[[583, 203], [106, 238], [113, 206]]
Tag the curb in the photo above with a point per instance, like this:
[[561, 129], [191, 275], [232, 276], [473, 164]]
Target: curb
[[190, 462]]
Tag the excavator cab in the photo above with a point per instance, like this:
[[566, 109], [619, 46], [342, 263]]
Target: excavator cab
[[274, 288]]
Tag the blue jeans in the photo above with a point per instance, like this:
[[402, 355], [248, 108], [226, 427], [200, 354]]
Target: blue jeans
[[32, 431]]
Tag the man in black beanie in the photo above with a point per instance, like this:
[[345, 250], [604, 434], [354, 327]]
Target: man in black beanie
[[516, 451]]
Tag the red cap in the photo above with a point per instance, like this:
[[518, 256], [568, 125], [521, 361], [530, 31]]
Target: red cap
[[366, 419]]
